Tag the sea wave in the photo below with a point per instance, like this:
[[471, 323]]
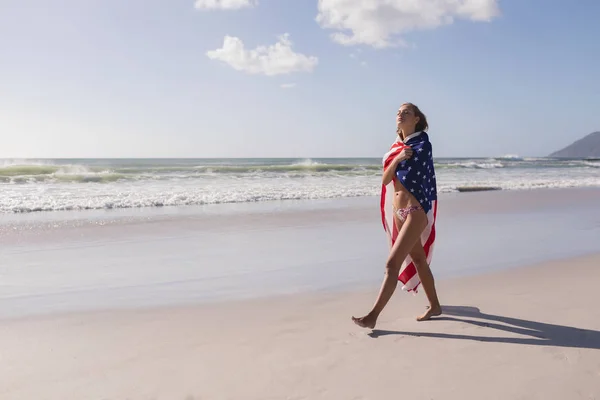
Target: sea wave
[[50, 185], [592, 164], [78, 173], [472, 165], [512, 157], [165, 194], [28, 171]]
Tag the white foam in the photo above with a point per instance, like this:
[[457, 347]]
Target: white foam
[[475, 164], [76, 186], [513, 157], [307, 162], [156, 193]]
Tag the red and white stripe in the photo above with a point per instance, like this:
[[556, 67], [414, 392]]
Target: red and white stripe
[[408, 272]]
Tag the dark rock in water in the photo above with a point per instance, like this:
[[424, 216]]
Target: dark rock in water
[[476, 188], [586, 147]]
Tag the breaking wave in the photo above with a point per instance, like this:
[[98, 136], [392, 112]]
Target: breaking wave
[[50, 185]]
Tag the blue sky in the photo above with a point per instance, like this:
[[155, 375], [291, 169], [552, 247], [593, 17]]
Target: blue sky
[[134, 78]]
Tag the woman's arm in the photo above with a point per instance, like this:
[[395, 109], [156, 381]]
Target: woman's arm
[[390, 172]]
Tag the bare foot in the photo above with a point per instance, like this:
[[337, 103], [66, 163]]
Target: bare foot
[[431, 312], [365, 322]]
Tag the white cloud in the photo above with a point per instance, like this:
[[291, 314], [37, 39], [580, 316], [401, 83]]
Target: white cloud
[[287, 85], [378, 23], [276, 59], [224, 4]]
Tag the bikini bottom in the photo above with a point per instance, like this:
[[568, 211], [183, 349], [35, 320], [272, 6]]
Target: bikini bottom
[[402, 213]]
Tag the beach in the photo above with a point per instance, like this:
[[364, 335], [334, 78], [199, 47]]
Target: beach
[[528, 334], [211, 200], [254, 300]]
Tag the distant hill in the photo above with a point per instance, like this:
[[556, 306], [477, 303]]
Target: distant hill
[[586, 147]]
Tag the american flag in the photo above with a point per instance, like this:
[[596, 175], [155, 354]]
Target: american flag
[[417, 174]]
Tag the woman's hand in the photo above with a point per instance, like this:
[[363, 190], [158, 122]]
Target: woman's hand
[[390, 172], [405, 154]]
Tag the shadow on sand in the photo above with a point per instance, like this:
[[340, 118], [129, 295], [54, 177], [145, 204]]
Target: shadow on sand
[[538, 333]]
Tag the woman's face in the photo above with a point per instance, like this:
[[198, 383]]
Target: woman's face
[[406, 119]]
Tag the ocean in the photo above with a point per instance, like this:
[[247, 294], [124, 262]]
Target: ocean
[[29, 185]]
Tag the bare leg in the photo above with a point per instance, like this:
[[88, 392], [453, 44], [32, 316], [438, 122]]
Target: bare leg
[[407, 237], [418, 256]]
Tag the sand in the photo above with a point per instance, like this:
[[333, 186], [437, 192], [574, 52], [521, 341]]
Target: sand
[[526, 333]]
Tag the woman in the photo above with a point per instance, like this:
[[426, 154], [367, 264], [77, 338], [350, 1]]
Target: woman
[[410, 168]]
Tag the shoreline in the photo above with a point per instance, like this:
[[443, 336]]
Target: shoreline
[[178, 209], [239, 253], [555, 197]]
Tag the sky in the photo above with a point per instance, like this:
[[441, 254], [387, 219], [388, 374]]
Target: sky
[[303, 78]]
